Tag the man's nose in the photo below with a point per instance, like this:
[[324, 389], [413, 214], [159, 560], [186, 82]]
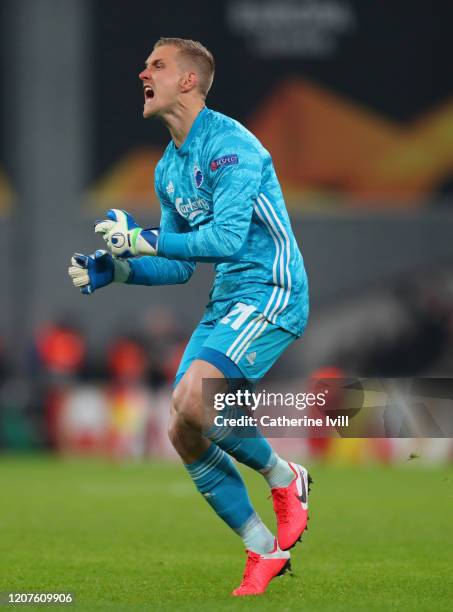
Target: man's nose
[[143, 75]]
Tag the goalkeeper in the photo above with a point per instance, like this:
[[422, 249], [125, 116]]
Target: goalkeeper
[[221, 202]]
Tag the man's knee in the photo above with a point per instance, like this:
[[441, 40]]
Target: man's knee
[[174, 430], [187, 402], [188, 441]]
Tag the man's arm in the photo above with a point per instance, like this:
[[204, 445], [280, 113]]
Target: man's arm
[[155, 270], [236, 185], [91, 272]]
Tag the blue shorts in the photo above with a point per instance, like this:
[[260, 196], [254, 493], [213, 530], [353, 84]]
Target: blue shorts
[[243, 344]]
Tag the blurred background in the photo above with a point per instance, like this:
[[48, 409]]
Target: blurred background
[[353, 99]]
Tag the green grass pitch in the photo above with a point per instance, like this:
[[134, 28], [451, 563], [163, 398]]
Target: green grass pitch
[[138, 537]]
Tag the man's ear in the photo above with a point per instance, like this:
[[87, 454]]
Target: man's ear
[[188, 82]]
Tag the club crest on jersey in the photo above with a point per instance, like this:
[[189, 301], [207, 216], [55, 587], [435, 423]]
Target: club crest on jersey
[[226, 160], [170, 188], [198, 176]]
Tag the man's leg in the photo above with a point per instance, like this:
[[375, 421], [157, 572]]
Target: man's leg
[[241, 349], [211, 469], [247, 349], [230, 347], [253, 450]]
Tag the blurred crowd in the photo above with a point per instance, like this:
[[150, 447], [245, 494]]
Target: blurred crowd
[[402, 329], [67, 383], [113, 399]]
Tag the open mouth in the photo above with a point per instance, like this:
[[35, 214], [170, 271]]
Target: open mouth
[[149, 92]]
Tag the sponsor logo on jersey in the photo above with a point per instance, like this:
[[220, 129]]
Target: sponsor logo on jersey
[[226, 160], [190, 208], [170, 189], [198, 176]]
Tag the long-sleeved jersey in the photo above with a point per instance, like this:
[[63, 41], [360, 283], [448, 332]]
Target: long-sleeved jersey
[[221, 202]]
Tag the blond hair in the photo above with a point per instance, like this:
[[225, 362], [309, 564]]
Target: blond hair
[[199, 55]]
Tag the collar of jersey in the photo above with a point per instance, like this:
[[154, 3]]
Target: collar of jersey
[[183, 149]]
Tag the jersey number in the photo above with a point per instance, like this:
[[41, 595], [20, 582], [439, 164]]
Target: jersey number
[[238, 315]]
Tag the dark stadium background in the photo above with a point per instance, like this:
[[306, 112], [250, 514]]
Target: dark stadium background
[[355, 102]]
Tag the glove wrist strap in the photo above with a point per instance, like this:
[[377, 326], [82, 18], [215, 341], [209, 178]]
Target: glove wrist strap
[[121, 271], [150, 237]]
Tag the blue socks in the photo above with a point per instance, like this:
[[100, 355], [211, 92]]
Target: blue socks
[[219, 481], [248, 446], [251, 448]]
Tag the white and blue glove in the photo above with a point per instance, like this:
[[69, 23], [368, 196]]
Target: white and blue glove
[[124, 237], [91, 272]]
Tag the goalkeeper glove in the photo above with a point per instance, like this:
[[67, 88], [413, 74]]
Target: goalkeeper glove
[[124, 237], [91, 272]]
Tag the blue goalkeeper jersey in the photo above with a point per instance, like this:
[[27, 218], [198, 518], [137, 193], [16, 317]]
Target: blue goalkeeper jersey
[[221, 202]]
